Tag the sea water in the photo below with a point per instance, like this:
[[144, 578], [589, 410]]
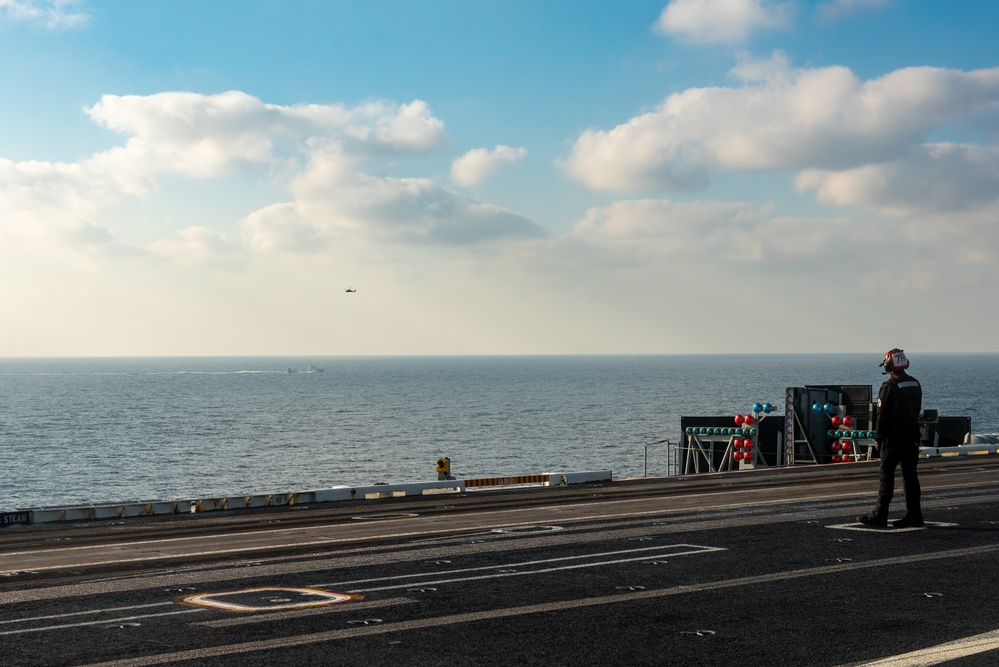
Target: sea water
[[125, 429]]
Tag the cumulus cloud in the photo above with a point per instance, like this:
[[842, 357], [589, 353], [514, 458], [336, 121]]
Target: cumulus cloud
[[54, 14], [203, 136], [50, 186], [710, 275], [195, 136], [658, 229], [280, 227], [53, 205], [336, 200], [932, 178], [208, 135], [185, 118], [479, 164], [810, 118], [727, 242], [720, 21]]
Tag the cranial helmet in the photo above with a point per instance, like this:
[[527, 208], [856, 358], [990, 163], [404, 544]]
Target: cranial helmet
[[895, 360]]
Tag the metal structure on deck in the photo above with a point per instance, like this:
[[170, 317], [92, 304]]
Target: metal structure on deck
[[821, 424]]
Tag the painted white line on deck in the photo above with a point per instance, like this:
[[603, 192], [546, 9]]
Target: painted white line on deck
[[108, 621], [661, 555], [935, 655], [528, 563], [89, 612]]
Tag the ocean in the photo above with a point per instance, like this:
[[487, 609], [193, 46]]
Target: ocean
[[87, 430]]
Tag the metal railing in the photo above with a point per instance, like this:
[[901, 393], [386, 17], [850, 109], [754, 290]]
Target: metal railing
[[671, 461]]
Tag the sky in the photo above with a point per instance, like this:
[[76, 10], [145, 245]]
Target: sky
[[180, 177]]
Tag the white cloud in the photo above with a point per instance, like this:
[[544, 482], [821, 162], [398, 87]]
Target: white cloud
[[836, 9], [280, 227], [54, 14], [705, 276], [932, 178], [336, 200], [197, 136], [207, 135], [53, 205], [49, 186], [203, 136], [720, 21], [479, 164], [700, 232], [407, 128], [810, 118], [660, 228], [716, 247]]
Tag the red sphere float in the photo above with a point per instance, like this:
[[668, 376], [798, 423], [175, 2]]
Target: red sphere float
[[835, 458], [835, 420], [749, 419], [738, 420], [847, 447], [737, 456], [848, 421]]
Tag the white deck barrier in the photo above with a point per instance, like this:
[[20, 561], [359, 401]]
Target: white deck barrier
[[333, 494], [960, 450]]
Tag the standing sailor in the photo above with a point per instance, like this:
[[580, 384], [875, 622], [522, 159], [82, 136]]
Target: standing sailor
[[896, 431]]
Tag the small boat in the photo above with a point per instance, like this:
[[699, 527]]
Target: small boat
[[308, 369]]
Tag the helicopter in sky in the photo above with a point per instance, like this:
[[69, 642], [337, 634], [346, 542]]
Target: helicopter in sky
[[350, 290]]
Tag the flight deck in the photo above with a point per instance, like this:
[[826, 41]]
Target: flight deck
[[755, 567]]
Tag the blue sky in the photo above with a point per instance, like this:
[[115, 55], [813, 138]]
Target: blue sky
[[515, 177]]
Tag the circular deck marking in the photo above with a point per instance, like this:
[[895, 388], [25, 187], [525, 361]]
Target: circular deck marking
[[267, 599], [520, 530]]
